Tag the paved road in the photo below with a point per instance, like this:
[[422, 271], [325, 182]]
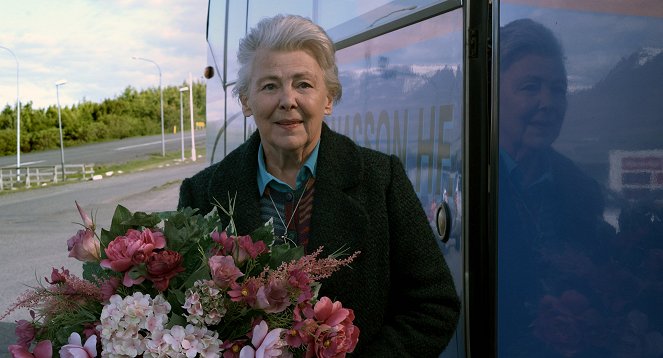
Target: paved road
[[109, 152], [35, 225]]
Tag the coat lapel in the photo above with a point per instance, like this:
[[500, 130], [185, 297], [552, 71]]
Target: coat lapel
[[339, 218], [238, 176]]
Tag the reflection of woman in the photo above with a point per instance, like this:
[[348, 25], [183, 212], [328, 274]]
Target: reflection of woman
[[546, 204], [323, 190]]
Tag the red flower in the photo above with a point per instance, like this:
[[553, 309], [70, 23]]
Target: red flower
[[162, 266], [25, 333], [109, 287], [246, 292], [226, 242], [248, 248], [58, 276]]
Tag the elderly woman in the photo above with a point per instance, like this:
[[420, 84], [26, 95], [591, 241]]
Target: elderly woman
[[321, 189]]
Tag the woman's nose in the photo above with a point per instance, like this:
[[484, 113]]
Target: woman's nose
[[288, 99]]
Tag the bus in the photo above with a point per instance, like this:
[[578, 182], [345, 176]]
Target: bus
[[544, 188]]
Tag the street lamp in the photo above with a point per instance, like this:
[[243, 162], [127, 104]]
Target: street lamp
[[163, 139], [183, 89], [57, 93], [193, 137], [18, 120]]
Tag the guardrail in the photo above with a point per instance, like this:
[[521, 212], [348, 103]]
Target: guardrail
[[26, 177]]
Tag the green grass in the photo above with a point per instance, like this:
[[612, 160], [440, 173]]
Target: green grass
[[154, 162]]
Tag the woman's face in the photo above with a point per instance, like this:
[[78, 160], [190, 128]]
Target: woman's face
[[288, 100], [532, 104]]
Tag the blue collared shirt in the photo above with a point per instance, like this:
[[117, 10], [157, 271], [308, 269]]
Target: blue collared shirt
[[265, 178]]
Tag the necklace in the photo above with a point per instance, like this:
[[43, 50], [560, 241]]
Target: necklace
[[284, 237]]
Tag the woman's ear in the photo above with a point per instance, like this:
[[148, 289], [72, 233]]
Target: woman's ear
[[245, 106], [329, 106]]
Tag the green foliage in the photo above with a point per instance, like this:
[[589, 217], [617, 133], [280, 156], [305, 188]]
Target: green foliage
[[132, 113], [7, 141]]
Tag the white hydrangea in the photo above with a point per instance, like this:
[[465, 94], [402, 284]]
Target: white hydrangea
[[180, 341], [126, 321]]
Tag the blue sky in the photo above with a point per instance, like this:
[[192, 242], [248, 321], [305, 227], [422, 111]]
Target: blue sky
[[91, 43]]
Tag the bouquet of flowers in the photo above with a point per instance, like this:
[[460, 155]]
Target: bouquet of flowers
[[175, 284]]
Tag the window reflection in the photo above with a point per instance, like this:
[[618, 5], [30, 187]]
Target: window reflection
[[580, 250]]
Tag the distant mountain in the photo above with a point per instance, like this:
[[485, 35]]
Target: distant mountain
[[623, 111]]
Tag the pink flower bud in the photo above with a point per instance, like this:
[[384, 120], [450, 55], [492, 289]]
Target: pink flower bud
[[87, 221]]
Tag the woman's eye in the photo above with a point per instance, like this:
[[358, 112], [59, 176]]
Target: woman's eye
[[269, 87], [304, 85]]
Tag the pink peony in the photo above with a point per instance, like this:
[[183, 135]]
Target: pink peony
[[273, 297], [162, 266], [224, 271], [43, 349], [335, 335], [75, 348], [25, 333], [126, 251], [84, 246], [264, 343]]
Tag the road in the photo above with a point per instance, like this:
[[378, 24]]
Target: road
[[108, 152], [36, 224]]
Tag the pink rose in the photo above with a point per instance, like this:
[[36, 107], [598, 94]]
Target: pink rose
[[75, 348], [273, 297], [162, 266], [126, 251], [43, 349], [223, 270], [84, 246]]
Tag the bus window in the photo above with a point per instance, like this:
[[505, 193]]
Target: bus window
[[402, 95], [580, 217], [236, 30]]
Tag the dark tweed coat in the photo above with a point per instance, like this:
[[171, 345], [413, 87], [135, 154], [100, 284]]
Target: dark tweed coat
[[400, 287]]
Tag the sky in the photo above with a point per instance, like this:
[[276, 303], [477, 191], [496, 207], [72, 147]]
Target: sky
[[90, 44]]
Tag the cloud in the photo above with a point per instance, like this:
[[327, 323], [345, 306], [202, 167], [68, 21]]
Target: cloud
[[90, 43]]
